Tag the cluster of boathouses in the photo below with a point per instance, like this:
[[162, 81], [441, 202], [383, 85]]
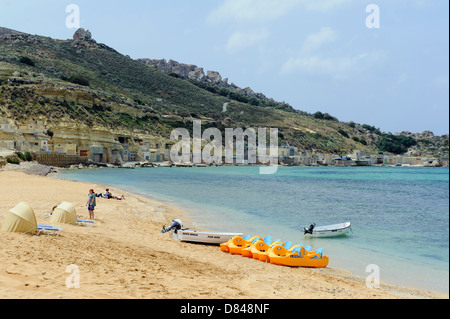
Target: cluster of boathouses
[[75, 148]]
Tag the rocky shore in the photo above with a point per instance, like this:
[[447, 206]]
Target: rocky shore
[[32, 168]]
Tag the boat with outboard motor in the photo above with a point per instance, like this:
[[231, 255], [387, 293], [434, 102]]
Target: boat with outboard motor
[[195, 236], [328, 231], [204, 237]]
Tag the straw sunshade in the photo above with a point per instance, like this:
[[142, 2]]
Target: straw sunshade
[[64, 213], [21, 219]]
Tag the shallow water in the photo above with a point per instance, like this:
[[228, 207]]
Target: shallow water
[[399, 215]]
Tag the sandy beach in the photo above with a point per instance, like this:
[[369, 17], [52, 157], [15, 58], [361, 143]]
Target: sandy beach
[[125, 256]]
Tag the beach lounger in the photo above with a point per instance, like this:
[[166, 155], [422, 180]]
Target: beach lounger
[[85, 222], [48, 229]]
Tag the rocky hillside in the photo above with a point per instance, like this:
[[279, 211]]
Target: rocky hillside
[[210, 80], [7, 31], [82, 86], [428, 144]]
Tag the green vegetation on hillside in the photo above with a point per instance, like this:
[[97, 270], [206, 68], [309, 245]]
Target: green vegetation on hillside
[[85, 81], [397, 144]]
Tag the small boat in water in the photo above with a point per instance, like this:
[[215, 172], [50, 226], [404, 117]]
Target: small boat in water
[[328, 231]]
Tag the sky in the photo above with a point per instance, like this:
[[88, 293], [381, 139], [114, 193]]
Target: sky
[[379, 62]]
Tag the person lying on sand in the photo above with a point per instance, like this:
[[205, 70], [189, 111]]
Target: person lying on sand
[[107, 194]]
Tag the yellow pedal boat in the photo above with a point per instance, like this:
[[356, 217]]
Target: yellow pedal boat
[[224, 246], [238, 243], [298, 257], [264, 255], [259, 246]]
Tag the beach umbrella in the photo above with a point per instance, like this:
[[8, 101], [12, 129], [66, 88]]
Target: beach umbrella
[[21, 219], [64, 213]]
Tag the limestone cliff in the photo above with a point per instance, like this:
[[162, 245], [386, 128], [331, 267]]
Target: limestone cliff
[[193, 72]]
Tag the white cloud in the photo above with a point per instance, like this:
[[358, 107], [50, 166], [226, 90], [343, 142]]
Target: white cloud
[[317, 57], [337, 67], [241, 40], [402, 78], [324, 5], [242, 16], [265, 10], [250, 10], [315, 41]]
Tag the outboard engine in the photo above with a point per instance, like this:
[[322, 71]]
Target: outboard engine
[[310, 229], [176, 226]]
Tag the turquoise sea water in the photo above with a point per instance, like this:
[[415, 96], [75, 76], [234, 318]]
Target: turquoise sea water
[[399, 215]]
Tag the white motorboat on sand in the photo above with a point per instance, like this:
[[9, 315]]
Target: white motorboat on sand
[[203, 237], [195, 236]]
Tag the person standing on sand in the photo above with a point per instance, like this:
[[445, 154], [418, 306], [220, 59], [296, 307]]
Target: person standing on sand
[[91, 203]]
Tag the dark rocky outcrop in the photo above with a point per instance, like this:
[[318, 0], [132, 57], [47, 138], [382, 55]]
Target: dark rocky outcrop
[[82, 34]]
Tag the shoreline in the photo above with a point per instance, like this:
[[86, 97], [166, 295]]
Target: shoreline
[[138, 238]]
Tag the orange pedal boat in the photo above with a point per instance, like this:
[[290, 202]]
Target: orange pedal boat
[[259, 246], [224, 246], [298, 257], [264, 256], [238, 243]]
